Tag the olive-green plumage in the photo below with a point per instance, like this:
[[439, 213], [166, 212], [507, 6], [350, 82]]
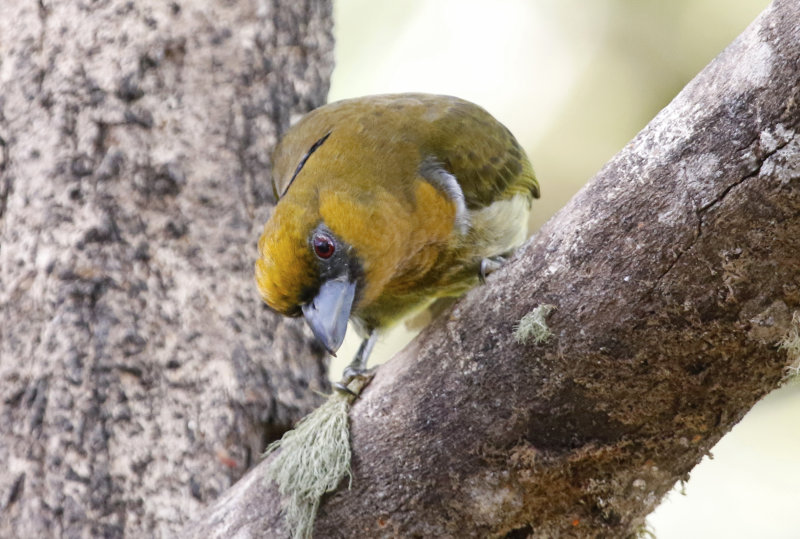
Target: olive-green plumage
[[410, 192], [480, 151]]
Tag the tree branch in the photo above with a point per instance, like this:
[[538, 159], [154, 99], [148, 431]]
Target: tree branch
[[675, 273]]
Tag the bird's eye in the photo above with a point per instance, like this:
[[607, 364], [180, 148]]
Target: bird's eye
[[323, 246]]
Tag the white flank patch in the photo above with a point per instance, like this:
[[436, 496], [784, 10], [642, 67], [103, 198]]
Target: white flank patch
[[502, 225]]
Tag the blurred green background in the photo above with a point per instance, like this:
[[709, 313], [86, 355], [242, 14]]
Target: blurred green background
[[575, 81]]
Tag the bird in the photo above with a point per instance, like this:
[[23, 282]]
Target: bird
[[385, 204]]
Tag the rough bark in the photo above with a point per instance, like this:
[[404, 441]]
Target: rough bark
[[675, 272], [140, 376]]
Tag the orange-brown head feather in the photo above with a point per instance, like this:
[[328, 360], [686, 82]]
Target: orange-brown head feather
[[285, 270]]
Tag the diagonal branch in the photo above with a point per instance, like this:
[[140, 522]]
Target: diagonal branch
[[654, 355]]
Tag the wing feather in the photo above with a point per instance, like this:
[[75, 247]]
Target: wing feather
[[480, 152]]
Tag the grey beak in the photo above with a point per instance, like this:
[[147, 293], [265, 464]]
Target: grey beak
[[328, 312]]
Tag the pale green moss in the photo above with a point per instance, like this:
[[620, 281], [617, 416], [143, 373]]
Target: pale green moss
[[533, 326], [791, 343], [313, 459], [645, 531]]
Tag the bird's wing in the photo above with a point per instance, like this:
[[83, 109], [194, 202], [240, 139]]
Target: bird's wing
[[461, 137], [481, 153]]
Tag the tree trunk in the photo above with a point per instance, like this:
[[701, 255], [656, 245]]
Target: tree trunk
[[675, 274], [140, 375]]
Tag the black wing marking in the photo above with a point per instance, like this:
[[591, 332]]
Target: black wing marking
[[304, 159]]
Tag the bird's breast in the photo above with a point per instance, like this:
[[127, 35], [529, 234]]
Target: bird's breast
[[400, 240]]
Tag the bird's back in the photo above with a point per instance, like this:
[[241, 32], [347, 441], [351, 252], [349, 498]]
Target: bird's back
[[383, 130]]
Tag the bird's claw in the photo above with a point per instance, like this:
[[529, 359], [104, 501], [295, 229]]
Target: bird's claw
[[350, 373], [489, 266], [342, 388]]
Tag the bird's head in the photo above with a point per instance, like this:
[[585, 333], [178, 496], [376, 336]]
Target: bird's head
[[328, 252], [305, 268]]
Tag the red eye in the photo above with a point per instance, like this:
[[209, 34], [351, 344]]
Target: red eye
[[323, 246]]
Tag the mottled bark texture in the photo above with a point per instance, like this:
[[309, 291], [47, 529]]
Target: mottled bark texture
[[675, 272], [140, 376]]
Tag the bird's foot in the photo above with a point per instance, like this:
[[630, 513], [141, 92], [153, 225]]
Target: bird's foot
[[352, 374], [489, 266]]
